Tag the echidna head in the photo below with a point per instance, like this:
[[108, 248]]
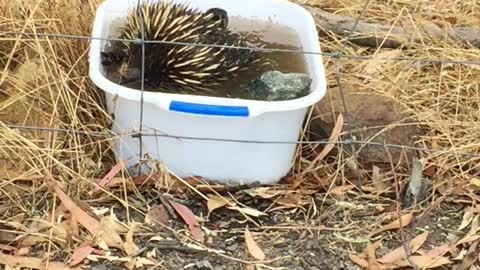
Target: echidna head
[[220, 16]]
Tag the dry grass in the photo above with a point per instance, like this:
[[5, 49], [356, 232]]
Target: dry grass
[[443, 98], [44, 82]]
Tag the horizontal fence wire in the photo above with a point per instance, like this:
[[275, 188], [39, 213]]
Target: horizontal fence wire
[[252, 48], [112, 135]]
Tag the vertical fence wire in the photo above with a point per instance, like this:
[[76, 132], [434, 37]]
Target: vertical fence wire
[[338, 66], [142, 84]]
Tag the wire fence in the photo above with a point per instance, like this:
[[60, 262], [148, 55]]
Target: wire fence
[[334, 55], [340, 88], [351, 142]]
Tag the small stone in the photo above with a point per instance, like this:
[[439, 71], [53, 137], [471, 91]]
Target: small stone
[[277, 86], [418, 187], [232, 248], [204, 265]]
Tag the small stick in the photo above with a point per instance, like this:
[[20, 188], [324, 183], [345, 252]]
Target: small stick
[[397, 193]]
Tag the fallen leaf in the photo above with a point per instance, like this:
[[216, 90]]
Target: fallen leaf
[[270, 192], [112, 223], [341, 190], [152, 254], [328, 147], [421, 262], [470, 258], [114, 182], [248, 211], [109, 176], [372, 259], [293, 200], [379, 180], [141, 262], [252, 246], [17, 221], [32, 240], [427, 262], [402, 221], [80, 254], [75, 231], [141, 179], [215, 202], [475, 225], [434, 144], [430, 171], [33, 235], [438, 251], [399, 253], [188, 216], [352, 164], [131, 263], [22, 251], [460, 255], [60, 233], [91, 224], [129, 246], [84, 206], [375, 246], [99, 211], [156, 238], [264, 192], [7, 236], [31, 262], [157, 215], [6, 247], [475, 182], [36, 226], [468, 239], [194, 181], [209, 241], [467, 219], [358, 260]]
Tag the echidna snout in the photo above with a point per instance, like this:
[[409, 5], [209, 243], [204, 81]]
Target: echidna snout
[[131, 74]]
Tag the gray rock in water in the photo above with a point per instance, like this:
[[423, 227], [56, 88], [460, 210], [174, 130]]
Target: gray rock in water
[[277, 86]]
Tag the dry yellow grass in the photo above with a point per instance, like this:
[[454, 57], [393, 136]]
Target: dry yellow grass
[[44, 82], [444, 98]]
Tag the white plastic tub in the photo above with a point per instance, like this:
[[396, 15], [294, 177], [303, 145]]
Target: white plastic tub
[[208, 117]]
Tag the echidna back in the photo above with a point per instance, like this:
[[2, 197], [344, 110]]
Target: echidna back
[[174, 63]]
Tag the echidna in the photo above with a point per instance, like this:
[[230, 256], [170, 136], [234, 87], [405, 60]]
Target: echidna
[[179, 67]]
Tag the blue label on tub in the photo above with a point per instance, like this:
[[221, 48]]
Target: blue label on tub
[[206, 109]]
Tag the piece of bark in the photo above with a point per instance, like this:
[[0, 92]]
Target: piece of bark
[[372, 35]]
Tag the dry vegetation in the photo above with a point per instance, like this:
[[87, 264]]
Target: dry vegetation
[[313, 221]]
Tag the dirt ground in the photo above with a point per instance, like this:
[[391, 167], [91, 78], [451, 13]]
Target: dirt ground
[[321, 232], [309, 240]]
